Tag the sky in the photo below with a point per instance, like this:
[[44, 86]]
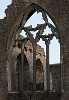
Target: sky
[[3, 6], [54, 45]]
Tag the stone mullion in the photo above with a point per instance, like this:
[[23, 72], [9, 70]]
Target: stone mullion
[[18, 78], [34, 70], [61, 62], [22, 64], [47, 66]]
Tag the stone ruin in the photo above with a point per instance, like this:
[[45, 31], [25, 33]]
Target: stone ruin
[[16, 15]]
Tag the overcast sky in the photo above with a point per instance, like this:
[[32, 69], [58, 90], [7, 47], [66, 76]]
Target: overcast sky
[[54, 47]]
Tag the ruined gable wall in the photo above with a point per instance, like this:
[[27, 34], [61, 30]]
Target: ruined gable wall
[[58, 9]]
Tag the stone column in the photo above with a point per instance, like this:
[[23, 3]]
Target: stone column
[[34, 69], [47, 65], [22, 63]]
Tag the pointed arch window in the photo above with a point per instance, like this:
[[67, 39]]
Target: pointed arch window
[[40, 31], [34, 38]]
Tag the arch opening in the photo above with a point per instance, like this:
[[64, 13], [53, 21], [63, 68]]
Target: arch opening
[[39, 75], [26, 32]]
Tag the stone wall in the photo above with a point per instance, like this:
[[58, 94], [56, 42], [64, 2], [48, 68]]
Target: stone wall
[[55, 77], [58, 10]]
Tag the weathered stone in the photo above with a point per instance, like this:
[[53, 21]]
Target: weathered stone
[[59, 11]]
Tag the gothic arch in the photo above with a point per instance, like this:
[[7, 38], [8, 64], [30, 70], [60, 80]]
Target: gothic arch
[[58, 9], [22, 20]]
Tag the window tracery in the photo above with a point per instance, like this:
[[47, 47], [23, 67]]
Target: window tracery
[[40, 34]]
